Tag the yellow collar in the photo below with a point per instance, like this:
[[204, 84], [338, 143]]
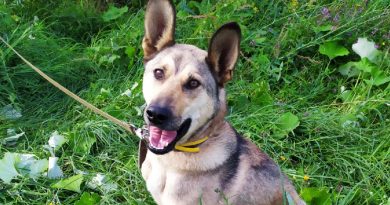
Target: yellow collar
[[189, 146]]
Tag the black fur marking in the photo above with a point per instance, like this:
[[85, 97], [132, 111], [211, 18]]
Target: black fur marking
[[142, 150], [231, 165], [267, 168]]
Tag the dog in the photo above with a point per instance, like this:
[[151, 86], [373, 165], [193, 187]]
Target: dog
[[192, 155]]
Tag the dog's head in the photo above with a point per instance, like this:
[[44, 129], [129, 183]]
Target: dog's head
[[182, 84]]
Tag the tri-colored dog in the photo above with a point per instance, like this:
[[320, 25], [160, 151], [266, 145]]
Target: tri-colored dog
[[192, 155]]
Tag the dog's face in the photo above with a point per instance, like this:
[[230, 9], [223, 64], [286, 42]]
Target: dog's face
[[182, 83]]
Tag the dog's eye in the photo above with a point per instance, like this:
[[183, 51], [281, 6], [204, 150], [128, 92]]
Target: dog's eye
[[192, 84], [158, 74]]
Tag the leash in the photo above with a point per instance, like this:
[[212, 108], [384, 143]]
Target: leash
[[190, 147], [129, 127]]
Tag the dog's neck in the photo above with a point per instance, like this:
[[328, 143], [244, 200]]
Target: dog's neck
[[221, 143]]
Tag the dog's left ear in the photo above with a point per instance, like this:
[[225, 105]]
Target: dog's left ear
[[160, 20], [223, 52]]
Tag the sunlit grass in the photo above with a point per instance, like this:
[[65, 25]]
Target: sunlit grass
[[280, 70]]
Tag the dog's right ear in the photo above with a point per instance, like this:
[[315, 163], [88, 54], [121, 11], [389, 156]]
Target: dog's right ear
[[160, 19]]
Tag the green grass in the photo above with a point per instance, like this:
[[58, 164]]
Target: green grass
[[342, 141]]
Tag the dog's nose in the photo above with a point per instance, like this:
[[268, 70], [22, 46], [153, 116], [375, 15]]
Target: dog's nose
[[158, 115]]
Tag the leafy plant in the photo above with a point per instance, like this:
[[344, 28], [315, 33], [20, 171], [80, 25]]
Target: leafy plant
[[333, 49], [113, 13], [317, 196], [286, 123], [72, 183], [88, 199]]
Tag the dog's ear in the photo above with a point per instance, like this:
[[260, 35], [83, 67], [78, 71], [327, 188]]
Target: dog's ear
[[160, 20], [223, 52]]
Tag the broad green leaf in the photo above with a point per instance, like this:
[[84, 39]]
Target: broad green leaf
[[349, 120], [260, 40], [379, 77], [349, 69], [261, 94], [332, 49], [130, 51], [81, 144], [114, 13], [7, 167], [72, 183], [313, 195], [323, 28], [15, 18], [88, 199], [365, 65], [287, 122], [365, 49], [112, 58]]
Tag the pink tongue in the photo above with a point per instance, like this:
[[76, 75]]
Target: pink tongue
[[160, 138]]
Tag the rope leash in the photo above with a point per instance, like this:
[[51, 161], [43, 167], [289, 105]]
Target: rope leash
[[142, 133], [129, 127]]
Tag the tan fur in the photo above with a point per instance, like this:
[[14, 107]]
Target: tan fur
[[219, 42], [228, 167], [155, 40]]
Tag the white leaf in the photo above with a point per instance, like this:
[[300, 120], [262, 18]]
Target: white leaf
[[134, 86], [23, 162], [38, 167], [54, 171], [77, 171], [365, 49], [127, 93], [96, 181], [12, 137], [56, 140], [7, 170], [50, 149], [14, 164], [100, 182], [10, 113]]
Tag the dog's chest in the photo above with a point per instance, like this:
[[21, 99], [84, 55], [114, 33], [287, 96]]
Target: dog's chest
[[169, 187]]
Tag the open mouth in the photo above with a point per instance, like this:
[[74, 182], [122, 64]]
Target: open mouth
[[163, 141]]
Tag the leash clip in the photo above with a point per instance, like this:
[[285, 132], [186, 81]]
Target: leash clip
[[142, 133]]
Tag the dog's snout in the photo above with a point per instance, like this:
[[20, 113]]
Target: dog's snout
[[158, 115]]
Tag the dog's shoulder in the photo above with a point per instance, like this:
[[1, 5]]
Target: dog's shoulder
[[249, 158], [258, 160], [251, 175]]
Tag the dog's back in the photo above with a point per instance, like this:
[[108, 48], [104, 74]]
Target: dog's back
[[256, 179]]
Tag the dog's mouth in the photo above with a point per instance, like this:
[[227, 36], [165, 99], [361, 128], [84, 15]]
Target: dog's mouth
[[163, 141]]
